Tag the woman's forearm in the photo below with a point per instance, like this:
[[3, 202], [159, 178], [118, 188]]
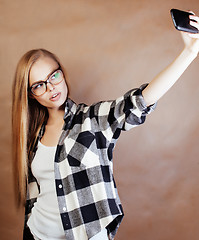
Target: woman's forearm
[[165, 79]]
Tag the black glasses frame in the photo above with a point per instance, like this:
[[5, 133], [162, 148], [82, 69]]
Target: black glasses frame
[[45, 82]]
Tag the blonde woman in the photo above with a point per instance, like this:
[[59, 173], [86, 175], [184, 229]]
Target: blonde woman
[[63, 151]]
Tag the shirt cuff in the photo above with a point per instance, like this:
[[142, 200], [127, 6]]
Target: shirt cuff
[[140, 102]]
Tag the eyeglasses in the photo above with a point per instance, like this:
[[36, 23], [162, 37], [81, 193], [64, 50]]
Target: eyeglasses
[[40, 87]]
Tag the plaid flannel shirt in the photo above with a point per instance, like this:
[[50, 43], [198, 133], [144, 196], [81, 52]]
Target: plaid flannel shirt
[[86, 192]]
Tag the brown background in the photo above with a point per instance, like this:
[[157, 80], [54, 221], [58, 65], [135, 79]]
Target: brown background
[[109, 47]]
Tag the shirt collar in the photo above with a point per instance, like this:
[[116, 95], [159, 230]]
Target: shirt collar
[[70, 108]]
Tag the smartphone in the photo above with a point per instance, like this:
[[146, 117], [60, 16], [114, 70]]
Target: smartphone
[[181, 21]]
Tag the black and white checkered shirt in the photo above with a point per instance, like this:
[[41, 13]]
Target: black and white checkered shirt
[[86, 192]]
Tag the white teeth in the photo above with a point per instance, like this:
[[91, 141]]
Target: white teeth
[[55, 95]]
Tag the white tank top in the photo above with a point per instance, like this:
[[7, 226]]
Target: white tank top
[[45, 221]]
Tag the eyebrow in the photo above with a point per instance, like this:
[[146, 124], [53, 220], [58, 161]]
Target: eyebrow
[[46, 77]]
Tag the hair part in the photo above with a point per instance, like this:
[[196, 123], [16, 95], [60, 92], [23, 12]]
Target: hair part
[[27, 118]]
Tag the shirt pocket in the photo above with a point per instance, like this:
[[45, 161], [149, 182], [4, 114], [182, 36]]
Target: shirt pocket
[[89, 152], [82, 150]]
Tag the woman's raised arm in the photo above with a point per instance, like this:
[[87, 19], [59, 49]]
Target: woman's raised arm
[[165, 79]]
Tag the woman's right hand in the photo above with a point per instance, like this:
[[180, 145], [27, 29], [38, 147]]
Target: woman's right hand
[[191, 40]]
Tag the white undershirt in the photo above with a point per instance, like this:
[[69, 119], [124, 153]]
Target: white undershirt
[[45, 222]]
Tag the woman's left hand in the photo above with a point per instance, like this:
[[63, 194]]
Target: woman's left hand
[[191, 40]]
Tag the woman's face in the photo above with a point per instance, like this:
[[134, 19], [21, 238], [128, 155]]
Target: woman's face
[[55, 95]]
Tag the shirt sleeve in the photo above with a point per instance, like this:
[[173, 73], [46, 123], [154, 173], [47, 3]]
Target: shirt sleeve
[[124, 113]]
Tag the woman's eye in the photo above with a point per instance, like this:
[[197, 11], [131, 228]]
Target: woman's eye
[[38, 86], [55, 75]]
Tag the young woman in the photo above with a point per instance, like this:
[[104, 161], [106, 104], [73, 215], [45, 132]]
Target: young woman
[[63, 151]]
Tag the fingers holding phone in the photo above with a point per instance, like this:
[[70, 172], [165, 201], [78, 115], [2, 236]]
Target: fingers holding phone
[[182, 20], [194, 22], [188, 24]]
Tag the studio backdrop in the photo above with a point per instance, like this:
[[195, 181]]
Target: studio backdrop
[[109, 47]]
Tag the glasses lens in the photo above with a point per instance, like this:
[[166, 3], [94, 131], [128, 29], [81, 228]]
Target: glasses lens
[[38, 89], [56, 77]]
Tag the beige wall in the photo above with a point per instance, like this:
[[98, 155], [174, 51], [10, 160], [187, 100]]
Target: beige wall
[[109, 47]]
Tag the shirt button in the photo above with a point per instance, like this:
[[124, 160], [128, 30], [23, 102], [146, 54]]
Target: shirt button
[[64, 209], [60, 185]]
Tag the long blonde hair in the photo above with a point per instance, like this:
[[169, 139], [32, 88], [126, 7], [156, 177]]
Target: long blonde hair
[[27, 118]]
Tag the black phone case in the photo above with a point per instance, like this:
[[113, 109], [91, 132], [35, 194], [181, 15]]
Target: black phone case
[[181, 21]]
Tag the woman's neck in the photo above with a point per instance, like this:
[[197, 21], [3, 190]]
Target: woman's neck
[[53, 127], [55, 116]]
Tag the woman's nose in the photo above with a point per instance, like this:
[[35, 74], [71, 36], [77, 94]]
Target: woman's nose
[[50, 86]]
